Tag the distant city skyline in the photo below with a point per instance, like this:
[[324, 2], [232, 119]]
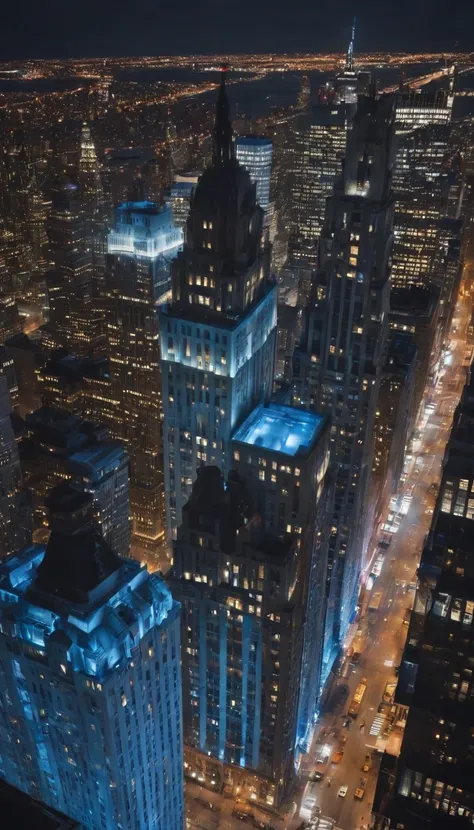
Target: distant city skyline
[[68, 30]]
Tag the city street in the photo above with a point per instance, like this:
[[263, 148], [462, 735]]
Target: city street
[[384, 631]]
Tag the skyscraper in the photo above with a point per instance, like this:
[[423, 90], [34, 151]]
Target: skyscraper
[[140, 250], [337, 370], [76, 322], [250, 571], [15, 513], [255, 154], [347, 81], [90, 679], [93, 205], [61, 446], [181, 193], [218, 335], [320, 145]]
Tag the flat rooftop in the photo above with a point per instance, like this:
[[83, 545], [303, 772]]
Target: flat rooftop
[[282, 429]]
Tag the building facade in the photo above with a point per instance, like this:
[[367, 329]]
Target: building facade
[[320, 145], [255, 154], [250, 570], [141, 248], [218, 336], [15, 513], [90, 680], [337, 370], [75, 320], [60, 446]]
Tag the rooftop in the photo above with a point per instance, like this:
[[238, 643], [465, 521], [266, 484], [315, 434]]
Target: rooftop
[[282, 429]]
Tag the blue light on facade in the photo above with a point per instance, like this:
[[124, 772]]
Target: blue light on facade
[[255, 154], [92, 692], [144, 229], [280, 429]]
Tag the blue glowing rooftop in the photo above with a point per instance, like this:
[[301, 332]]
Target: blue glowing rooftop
[[280, 429]]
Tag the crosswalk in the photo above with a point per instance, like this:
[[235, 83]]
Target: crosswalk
[[377, 725]]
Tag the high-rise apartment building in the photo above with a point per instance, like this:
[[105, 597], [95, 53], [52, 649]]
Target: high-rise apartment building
[[430, 783], [90, 679], [255, 154], [141, 247], [337, 370], [218, 335], [15, 513], [250, 571]]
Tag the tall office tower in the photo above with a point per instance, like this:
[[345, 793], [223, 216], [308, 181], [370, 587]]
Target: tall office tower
[[282, 455], [140, 250], [90, 669], [347, 84], [15, 513], [38, 211], [59, 447], [337, 370], [218, 336], [181, 193], [255, 154], [418, 108], [75, 319], [320, 146], [89, 172], [93, 205], [421, 190], [253, 604], [431, 781]]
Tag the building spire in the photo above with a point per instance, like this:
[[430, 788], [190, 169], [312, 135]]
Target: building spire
[[222, 148], [350, 51]]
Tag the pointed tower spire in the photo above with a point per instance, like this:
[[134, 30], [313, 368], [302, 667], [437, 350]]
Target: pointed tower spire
[[222, 148], [350, 51]]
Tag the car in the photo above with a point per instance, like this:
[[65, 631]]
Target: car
[[307, 807], [316, 776], [366, 765], [342, 791], [347, 723], [242, 815]]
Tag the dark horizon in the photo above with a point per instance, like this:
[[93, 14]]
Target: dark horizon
[[89, 29]]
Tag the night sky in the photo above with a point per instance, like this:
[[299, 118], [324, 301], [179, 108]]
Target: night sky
[[72, 28]]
